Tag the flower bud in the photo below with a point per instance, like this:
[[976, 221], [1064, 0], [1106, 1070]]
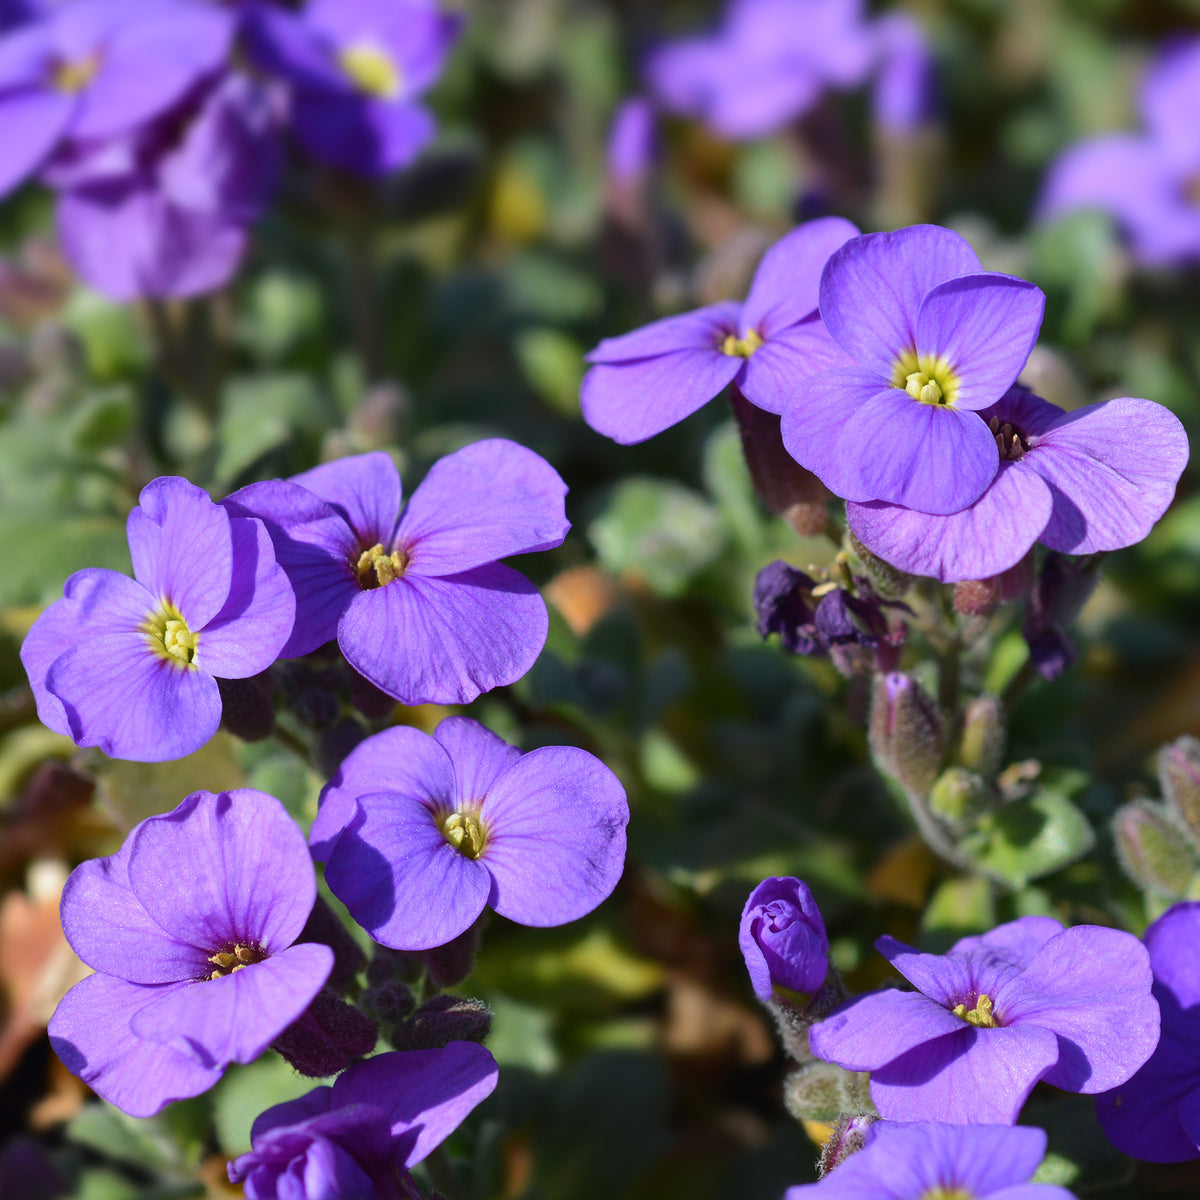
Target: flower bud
[[885, 579], [247, 707], [327, 1038], [982, 743], [849, 1137], [450, 964], [323, 926], [821, 1091], [959, 796], [1152, 851], [1179, 776], [980, 597], [390, 1002], [906, 734], [444, 1019], [783, 939]]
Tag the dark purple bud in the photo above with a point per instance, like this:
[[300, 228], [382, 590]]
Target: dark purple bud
[[849, 1137], [248, 707], [444, 1019], [348, 958], [366, 697], [327, 1038], [336, 742], [450, 964], [1153, 851], [906, 734], [1179, 777], [388, 964], [783, 602], [1062, 589], [1051, 651], [391, 1002], [316, 707], [27, 1172]]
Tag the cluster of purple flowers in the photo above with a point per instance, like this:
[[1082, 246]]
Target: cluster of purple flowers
[[770, 61], [1145, 181], [417, 600], [163, 125], [892, 360]]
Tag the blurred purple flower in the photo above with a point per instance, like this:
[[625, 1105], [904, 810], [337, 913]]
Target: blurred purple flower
[[355, 68], [924, 1160], [131, 665], [164, 211], [782, 938], [646, 381], [94, 69], [768, 63], [189, 927], [905, 91], [1080, 482], [418, 602], [931, 338], [632, 142], [1028, 1001], [1155, 1116], [361, 1136], [420, 834], [1147, 182]]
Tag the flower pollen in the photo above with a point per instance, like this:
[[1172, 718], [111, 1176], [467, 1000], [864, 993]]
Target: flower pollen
[[928, 379], [74, 76], [743, 347], [464, 832], [1009, 442], [981, 1016], [234, 958], [169, 635], [376, 567], [948, 1193], [371, 70]]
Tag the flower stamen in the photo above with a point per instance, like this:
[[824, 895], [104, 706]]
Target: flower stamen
[[927, 378], [1009, 442], [464, 832], [72, 77], [377, 568], [371, 70], [743, 347], [170, 636], [981, 1016], [234, 958]]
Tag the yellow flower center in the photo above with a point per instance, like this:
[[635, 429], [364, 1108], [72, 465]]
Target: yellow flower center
[[237, 956], [169, 635], [737, 347], [948, 1193], [371, 70], [377, 568], [74, 76], [927, 378], [464, 832], [981, 1016]]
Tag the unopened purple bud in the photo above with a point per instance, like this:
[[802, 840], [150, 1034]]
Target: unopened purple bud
[[336, 742], [444, 1019], [450, 964], [391, 1002], [348, 958], [366, 697], [906, 733], [247, 707], [783, 939], [327, 1038], [849, 1137], [1179, 777]]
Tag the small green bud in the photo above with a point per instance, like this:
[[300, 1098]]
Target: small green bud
[[906, 734], [820, 1091], [1179, 776], [959, 796], [887, 580], [1152, 850], [981, 746]]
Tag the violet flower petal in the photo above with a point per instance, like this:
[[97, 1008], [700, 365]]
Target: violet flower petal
[[702, 329], [478, 755], [979, 541], [90, 1032], [482, 503], [462, 634], [772, 371], [984, 326], [55, 631], [1170, 93], [1017, 942], [402, 881], [977, 1076], [360, 134], [224, 868], [782, 937], [235, 1018], [555, 829], [872, 289], [33, 121], [364, 490], [401, 761], [873, 1030]]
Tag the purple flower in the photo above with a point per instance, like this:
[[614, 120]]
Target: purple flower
[[924, 1160], [1029, 1001], [1155, 1116], [782, 938], [165, 211], [418, 602], [420, 834], [905, 91], [932, 338], [632, 142], [131, 665], [355, 68], [646, 381], [360, 1136], [1145, 181], [92, 69], [767, 64], [1079, 482], [189, 927]]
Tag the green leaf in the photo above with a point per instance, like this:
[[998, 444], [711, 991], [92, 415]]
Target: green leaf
[[262, 412], [553, 364], [245, 1092], [659, 533], [38, 558], [1030, 838]]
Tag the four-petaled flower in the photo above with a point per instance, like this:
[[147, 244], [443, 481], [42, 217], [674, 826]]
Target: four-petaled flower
[[190, 929], [1028, 1001], [419, 834], [131, 665]]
